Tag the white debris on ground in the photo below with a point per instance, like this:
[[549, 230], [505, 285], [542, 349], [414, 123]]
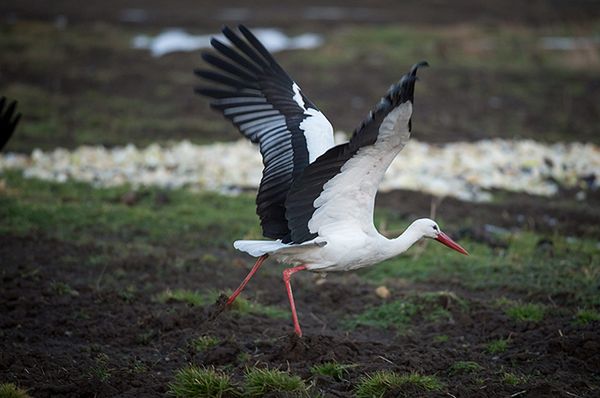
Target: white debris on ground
[[466, 170], [172, 40]]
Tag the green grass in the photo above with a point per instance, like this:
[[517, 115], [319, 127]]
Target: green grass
[[526, 312], [383, 382], [190, 297], [572, 272], [397, 313], [240, 305], [465, 367], [441, 338], [514, 379], [467, 47], [585, 316], [201, 382], [497, 346], [203, 343], [74, 212], [63, 289], [101, 371], [400, 314], [331, 369], [260, 382], [10, 390]]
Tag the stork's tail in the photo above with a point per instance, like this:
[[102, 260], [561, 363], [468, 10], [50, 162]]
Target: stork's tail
[[258, 248]]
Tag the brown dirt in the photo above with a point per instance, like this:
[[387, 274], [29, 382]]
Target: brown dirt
[[103, 342]]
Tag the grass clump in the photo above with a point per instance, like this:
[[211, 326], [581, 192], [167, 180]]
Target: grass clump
[[585, 316], [101, 370], [203, 343], [200, 382], [382, 382], [10, 390], [263, 381], [330, 369], [465, 367], [514, 379], [441, 338], [431, 306], [182, 295], [526, 312], [497, 346], [63, 289], [244, 306]]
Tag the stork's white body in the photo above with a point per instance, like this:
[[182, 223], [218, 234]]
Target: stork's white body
[[347, 238], [347, 250]]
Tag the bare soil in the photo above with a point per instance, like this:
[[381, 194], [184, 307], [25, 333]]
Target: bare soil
[[111, 338]]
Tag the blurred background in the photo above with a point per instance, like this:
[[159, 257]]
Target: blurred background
[[120, 72], [510, 69]]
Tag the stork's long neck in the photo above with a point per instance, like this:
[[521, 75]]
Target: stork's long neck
[[403, 242]]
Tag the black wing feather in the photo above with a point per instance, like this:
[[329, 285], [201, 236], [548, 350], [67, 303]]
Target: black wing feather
[[257, 95], [8, 121]]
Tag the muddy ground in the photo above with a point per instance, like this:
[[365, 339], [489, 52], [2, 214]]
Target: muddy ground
[[103, 341], [72, 327]]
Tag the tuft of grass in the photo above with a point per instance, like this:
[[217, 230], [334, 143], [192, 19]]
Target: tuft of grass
[[331, 369], [63, 289], [201, 382], [101, 370], [260, 382], [380, 383], [526, 312], [431, 306], [203, 343], [465, 367], [244, 306], [514, 379], [441, 338], [10, 390], [497, 346], [585, 316], [192, 298]]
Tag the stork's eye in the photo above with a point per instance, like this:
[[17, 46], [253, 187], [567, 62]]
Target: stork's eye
[[435, 228]]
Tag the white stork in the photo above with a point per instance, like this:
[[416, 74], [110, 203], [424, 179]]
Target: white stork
[[8, 120], [315, 199]]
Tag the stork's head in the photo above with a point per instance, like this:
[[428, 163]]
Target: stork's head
[[430, 229]]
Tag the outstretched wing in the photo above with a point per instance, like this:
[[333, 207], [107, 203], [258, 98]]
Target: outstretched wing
[[8, 120], [339, 188], [265, 104]]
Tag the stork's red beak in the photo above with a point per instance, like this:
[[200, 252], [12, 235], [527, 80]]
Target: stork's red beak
[[446, 240]]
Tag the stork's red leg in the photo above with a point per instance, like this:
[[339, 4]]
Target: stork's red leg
[[255, 268], [287, 274]]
